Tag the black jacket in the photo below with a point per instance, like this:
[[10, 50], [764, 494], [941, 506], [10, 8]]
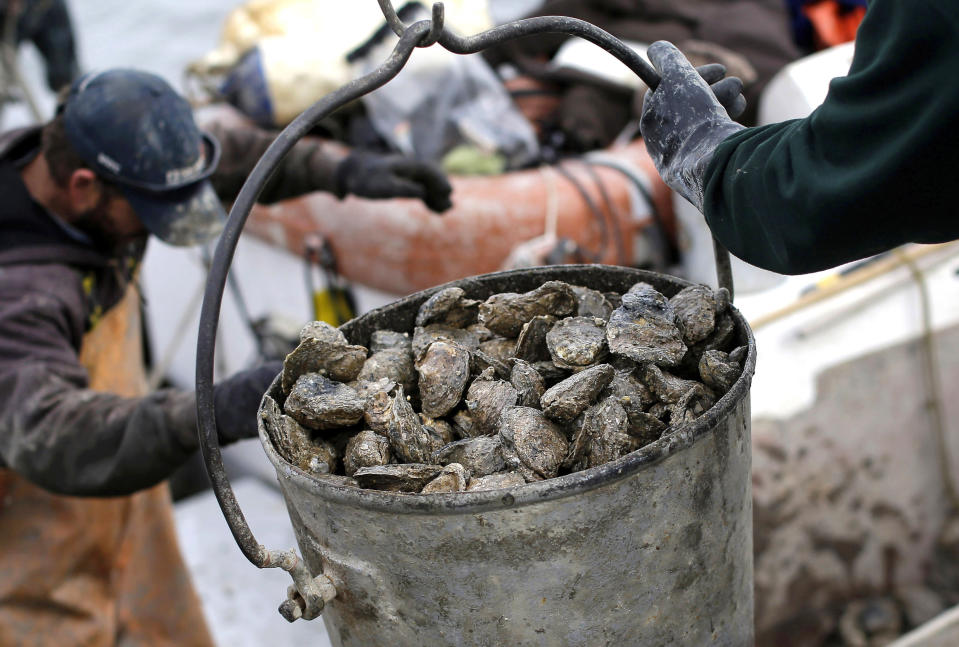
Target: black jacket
[[874, 167]]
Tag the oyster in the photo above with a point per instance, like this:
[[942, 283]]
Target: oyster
[[481, 456], [717, 371], [531, 343], [591, 303], [339, 361], [383, 339], [496, 481], [643, 328], [486, 399], [462, 423], [575, 342], [537, 442], [528, 383], [366, 449], [601, 438], [295, 444], [397, 478], [448, 306], [506, 313], [566, 400], [322, 331], [320, 403], [444, 370], [440, 429], [395, 364], [667, 387], [499, 348], [695, 308], [645, 427], [409, 440], [424, 336], [628, 389], [453, 478]]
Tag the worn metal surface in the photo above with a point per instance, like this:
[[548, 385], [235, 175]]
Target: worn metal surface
[[654, 548]]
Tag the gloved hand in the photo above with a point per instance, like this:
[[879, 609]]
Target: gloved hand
[[237, 399], [684, 119], [370, 175]]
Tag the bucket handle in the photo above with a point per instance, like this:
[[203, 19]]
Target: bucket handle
[[309, 594]]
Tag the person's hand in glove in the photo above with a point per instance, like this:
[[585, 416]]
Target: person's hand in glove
[[685, 118], [370, 175], [237, 399]]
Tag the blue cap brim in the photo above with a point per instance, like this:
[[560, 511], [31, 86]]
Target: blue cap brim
[[188, 216]]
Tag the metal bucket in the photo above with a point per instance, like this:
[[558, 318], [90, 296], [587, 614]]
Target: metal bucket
[[652, 549]]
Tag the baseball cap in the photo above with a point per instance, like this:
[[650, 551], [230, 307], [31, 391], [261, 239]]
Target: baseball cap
[[136, 131]]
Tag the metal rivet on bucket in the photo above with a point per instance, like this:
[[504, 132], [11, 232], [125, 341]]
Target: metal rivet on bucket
[[653, 548]]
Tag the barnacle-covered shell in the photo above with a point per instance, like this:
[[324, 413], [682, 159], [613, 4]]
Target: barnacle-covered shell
[[575, 342], [591, 303], [506, 313], [643, 328], [320, 403], [444, 370], [717, 371], [643, 426], [383, 339], [462, 423], [453, 478], [537, 441], [322, 331], [667, 387], [481, 456], [531, 343], [397, 478], [496, 482], [424, 336], [695, 308], [601, 438], [366, 449], [294, 443], [486, 399], [566, 400], [691, 405], [339, 361], [410, 441], [441, 430], [528, 383], [627, 388], [448, 306], [395, 364], [499, 348]]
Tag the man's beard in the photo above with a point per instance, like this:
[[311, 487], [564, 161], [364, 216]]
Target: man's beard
[[96, 224]]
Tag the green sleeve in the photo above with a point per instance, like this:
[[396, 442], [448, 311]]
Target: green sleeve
[[872, 168]]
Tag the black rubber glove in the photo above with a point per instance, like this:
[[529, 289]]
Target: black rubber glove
[[684, 119], [370, 175], [237, 399]]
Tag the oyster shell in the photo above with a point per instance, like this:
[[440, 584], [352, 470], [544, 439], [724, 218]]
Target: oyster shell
[[448, 306], [506, 313], [566, 400], [496, 482], [528, 383], [576, 342], [444, 370], [339, 361], [537, 441], [383, 339], [366, 449], [424, 336], [531, 343], [591, 303], [717, 371], [601, 438], [395, 364], [695, 308], [486, 399], [643, 328], [481, 456], [409, 440], [453, 478], [320, 403], [397, 478], [295, 443]]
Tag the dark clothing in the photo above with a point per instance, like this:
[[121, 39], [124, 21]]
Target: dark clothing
[[47, 24], [874, 167], [53, 430], [54, 288]]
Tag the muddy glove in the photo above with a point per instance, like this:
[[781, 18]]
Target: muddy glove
[[369, 175], [684, 120], [237, 399]]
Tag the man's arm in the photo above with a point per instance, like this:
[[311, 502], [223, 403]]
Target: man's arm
[[872, 168]]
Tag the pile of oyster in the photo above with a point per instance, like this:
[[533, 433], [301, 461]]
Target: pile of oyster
[[510, 390]]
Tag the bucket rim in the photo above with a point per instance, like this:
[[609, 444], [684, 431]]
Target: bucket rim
[[549, 489]]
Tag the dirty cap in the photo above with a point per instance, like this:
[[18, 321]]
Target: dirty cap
[[134, 130]]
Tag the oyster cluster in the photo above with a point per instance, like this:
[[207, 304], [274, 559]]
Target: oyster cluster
[[510, 390]]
